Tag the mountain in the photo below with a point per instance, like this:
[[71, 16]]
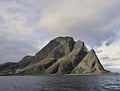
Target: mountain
[[61, 55]]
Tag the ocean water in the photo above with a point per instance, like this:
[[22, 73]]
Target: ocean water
[[60, 83]]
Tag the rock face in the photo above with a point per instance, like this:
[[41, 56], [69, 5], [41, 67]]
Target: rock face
[[67, 63], [89, 64], [62, 55]]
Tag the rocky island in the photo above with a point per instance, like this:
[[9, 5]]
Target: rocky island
[[60, 56]]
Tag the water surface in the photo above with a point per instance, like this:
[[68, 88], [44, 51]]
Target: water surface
[[60, 83]]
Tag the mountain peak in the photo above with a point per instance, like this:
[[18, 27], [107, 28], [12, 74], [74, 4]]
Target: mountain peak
[[66, 37], [62, 40]]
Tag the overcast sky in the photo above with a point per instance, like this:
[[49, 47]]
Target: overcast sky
[[27, 25]]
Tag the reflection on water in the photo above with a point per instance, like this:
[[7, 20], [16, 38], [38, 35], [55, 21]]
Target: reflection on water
[[60, 83]]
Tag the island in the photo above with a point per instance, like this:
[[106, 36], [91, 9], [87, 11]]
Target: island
[[61, 56]]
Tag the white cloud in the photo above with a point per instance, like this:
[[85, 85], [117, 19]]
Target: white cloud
[[109, 55], [111, 51], [80, 18]]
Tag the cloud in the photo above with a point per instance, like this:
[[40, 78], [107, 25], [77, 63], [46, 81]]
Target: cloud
[[89, 20], [109, 54], [112, 51], [18, 37]]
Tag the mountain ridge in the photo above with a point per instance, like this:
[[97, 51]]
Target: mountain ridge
[[61, 55]]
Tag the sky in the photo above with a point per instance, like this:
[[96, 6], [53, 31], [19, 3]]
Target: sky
[[28, 25]]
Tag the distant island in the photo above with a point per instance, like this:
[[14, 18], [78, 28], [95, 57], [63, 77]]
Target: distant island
[[61, 56]]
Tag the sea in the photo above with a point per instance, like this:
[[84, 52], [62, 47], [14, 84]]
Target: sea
[[60, 83]]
